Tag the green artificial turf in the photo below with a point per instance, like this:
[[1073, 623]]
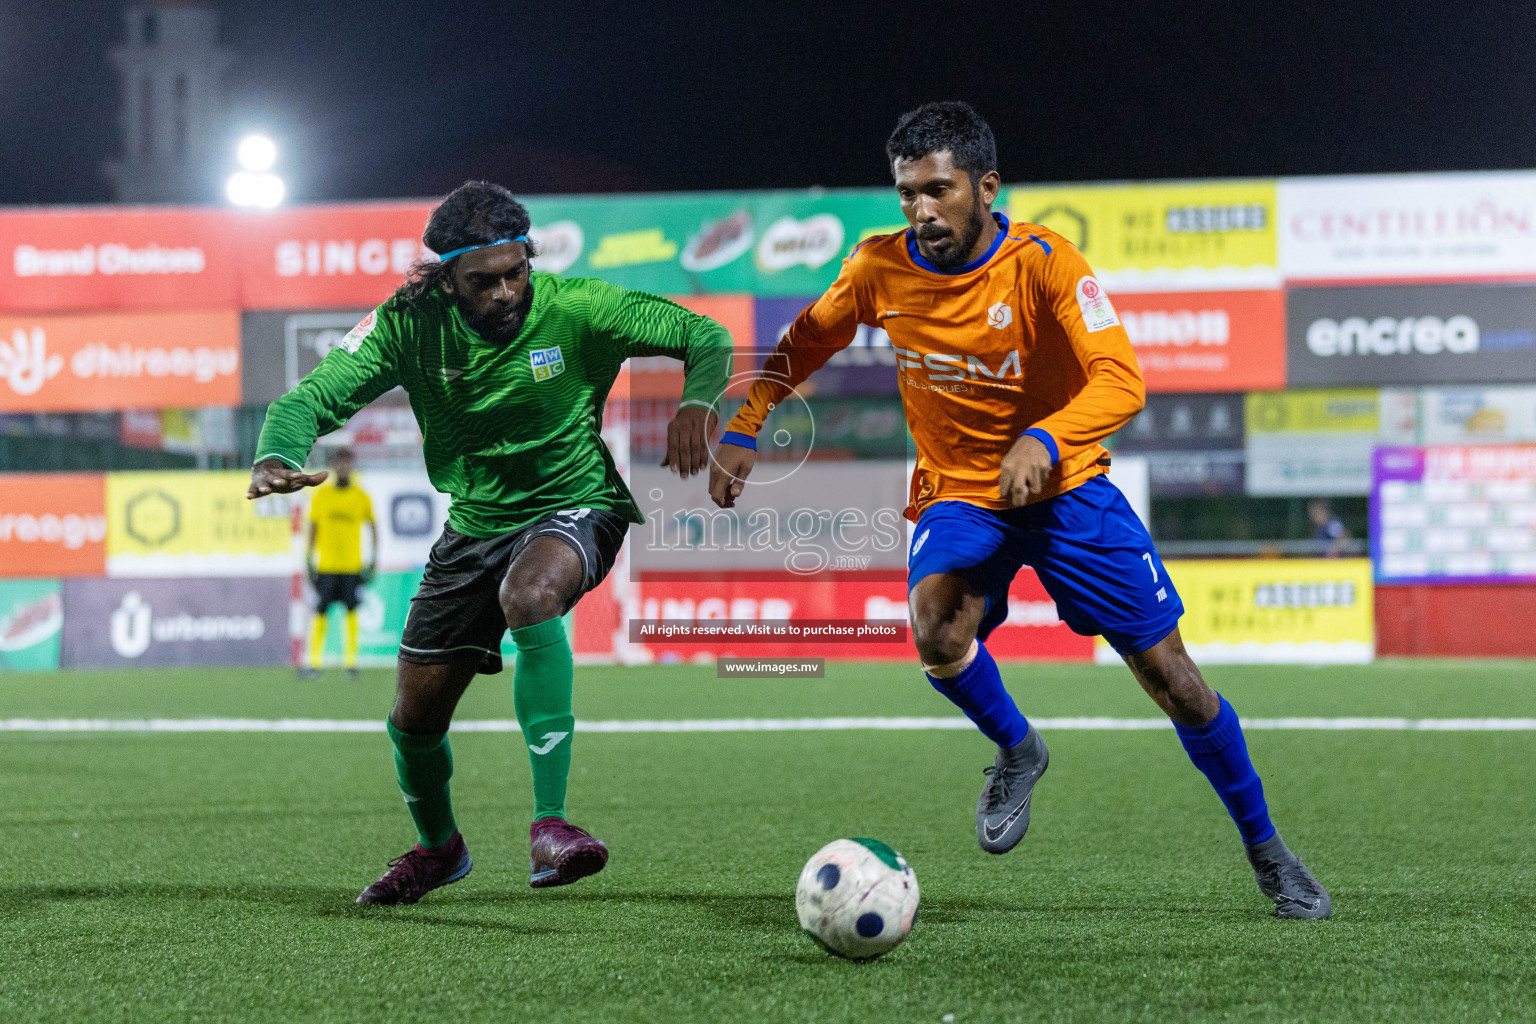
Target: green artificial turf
[[194, 877]]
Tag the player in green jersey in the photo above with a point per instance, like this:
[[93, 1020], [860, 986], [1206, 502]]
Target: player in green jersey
[[507, 371]]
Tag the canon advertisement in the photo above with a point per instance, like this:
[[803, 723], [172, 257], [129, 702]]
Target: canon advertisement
[[118, 623], [1427, 334]]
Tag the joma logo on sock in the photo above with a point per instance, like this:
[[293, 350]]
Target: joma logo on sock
[[551, 741]]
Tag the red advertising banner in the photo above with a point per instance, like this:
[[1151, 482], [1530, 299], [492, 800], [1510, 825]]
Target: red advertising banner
[[53, 524], [119, 361], [1032, 631], [1207, 341], [119, 258], [1456, 621], [662, 376], [327, 257]]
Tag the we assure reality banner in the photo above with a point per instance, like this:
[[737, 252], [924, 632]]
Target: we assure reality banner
[[1166, 236], [196, 524], [1289, 611]]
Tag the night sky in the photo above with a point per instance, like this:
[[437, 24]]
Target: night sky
[[388, 99]]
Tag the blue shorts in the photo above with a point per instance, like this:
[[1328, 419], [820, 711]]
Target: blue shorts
[[1089, 549]]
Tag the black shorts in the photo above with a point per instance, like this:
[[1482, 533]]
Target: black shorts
[[337, 588], [456, 614]]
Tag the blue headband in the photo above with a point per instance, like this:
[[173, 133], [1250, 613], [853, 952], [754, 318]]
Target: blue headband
[[487, 245]]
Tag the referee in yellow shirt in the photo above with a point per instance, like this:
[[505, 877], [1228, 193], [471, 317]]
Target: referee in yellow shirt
[[337, 513]]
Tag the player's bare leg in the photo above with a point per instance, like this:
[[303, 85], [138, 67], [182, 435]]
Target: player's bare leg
[[1210, 732], [540, 586], [1173, 681], [425, 698], [946, 614]]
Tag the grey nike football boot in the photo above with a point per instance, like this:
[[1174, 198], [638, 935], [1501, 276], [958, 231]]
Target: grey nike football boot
[[1002, 813], [1285, 879]]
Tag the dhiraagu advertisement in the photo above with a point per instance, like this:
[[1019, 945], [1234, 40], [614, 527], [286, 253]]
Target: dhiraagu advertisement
[[1304, 611], [196, 524], [1187, 236]]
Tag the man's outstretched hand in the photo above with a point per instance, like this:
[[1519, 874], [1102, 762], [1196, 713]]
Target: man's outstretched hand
[[273, 476], [1026, 468], [688, 440], [728, 473]]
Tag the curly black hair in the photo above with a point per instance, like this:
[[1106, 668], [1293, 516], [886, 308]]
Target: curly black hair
[[475, 213], [935, 127]]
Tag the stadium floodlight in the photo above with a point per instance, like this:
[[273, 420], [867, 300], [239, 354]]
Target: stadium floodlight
[[248, 188], [256, 153], [255, 184]]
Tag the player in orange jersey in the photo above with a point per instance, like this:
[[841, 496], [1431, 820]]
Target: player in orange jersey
[[1013, 368]]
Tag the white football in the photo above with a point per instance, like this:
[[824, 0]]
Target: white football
[[857, 898]]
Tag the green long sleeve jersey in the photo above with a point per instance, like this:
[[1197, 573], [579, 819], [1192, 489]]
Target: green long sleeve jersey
[[510, 432]]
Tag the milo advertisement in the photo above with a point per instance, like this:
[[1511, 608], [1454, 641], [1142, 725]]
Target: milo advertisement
[[766, 243], [31, 619]]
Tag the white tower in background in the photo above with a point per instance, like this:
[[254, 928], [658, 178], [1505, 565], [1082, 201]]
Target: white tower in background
[[171, 70]]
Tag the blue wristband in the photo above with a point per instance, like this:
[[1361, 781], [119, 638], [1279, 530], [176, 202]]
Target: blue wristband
[[739, 439], [1045, 439]]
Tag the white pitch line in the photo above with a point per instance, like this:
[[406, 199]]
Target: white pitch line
[[332, 725]]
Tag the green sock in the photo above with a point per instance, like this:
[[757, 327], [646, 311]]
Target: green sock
[[541, 696], [423, 765]]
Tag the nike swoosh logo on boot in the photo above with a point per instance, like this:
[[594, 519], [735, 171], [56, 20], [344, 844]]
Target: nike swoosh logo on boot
[[993, 837]]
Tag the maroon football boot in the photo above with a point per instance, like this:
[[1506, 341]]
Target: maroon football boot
[[561, 853], [418, 871]]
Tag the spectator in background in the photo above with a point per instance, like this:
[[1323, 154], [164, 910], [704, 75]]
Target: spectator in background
[[337, 513], [1328, 529]]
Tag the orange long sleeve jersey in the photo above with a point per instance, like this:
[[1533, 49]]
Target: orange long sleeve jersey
[[1022, 339]]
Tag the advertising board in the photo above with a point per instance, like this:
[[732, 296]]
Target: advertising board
[[52, 524], [31, 618], [1310, 443], [1160, 237], [1479, 226], [1464, 415], [168, 360], [1032, 632], [121, 623], [116, 258], [1411, 334], [196, 524], [1454, 514], [1289, 611], [1207, 341]]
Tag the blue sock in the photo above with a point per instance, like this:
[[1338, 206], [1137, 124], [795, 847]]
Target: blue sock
[[1218, 750], [978, 691]]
